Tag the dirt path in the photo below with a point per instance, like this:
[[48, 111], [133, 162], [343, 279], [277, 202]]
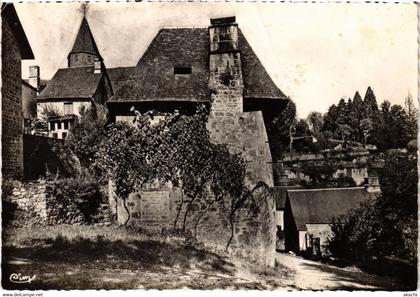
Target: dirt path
[[311, 275]]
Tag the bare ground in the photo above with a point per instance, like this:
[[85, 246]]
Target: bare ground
[[312, 275], [86, 257]]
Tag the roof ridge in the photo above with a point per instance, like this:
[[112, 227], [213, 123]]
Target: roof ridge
[[178, 27], [324, 189]]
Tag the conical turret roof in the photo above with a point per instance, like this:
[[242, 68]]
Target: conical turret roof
[[84, 42]]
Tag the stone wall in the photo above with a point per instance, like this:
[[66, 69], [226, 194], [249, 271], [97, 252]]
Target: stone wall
[[244, 133], [11, 103], [157, 208], [28, 196], [34, 197]]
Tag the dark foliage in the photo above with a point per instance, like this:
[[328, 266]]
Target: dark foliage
[[77, 199], [385, 226]]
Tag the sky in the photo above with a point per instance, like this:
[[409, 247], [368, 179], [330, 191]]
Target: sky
[[315, 53]]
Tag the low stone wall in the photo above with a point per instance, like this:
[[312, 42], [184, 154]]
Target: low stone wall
[[28, 196], [34, 197], [254, 233]]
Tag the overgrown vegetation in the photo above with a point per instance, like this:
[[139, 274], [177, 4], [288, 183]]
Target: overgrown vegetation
[[77, 200], [385, 227], [176, 149]]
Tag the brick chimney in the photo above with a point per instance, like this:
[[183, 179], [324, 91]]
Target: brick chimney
[[372, 184], [34, 77]]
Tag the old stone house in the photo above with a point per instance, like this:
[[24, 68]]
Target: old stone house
[[83, 82], [308, 213], [214, 66], [15, 47]]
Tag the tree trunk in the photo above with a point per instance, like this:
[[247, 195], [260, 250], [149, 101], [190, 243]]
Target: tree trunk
[[128, 212], [179, 210]]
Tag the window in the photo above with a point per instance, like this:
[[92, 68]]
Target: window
[[182, 70], [55, 135], [76, 57], [68, 107], [66, 125], [59, 125], [52, 126], [64, 135]]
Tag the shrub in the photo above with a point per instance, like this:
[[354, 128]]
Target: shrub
[[76, 200]]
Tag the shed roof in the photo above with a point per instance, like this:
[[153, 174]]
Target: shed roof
[[320, 206], [155, 80], [77, 82]]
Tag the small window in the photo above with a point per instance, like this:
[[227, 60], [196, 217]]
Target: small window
[[64, 135], [59, 125], [68, 107], [76, 58], [52, 126], [55, 135], [66, 125], [182, 70]]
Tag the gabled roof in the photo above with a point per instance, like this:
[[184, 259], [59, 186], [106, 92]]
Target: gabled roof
[[77, 82], [320, 206], [84, 42], [155, 80], [9, 13], [280, 193]]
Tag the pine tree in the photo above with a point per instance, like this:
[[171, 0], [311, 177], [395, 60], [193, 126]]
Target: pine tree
[[373, 115]]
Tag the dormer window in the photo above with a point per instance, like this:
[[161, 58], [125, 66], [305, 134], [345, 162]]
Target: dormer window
[[183, 70]]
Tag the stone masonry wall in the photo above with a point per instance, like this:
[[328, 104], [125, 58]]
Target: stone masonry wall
[[157, 208], [33, 197], [28, 196], [11, 103], [245, 133]]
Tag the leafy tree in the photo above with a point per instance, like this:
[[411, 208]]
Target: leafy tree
[[279, 128], [394, 132], [87, 133], [386, 225]]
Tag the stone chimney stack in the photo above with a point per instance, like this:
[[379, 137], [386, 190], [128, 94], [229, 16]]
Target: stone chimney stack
[[243, 132], [225, 66], [372, 184], [98, 66], [34, 77]]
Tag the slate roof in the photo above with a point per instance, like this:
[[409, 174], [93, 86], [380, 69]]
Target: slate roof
[[84, 42], [120, 75], [77, 82], [319, 206], [155, 80], [280, 193]]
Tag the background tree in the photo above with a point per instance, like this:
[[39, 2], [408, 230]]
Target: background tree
[[411, 112], [386, 225], [278, 130], [87, 133]]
